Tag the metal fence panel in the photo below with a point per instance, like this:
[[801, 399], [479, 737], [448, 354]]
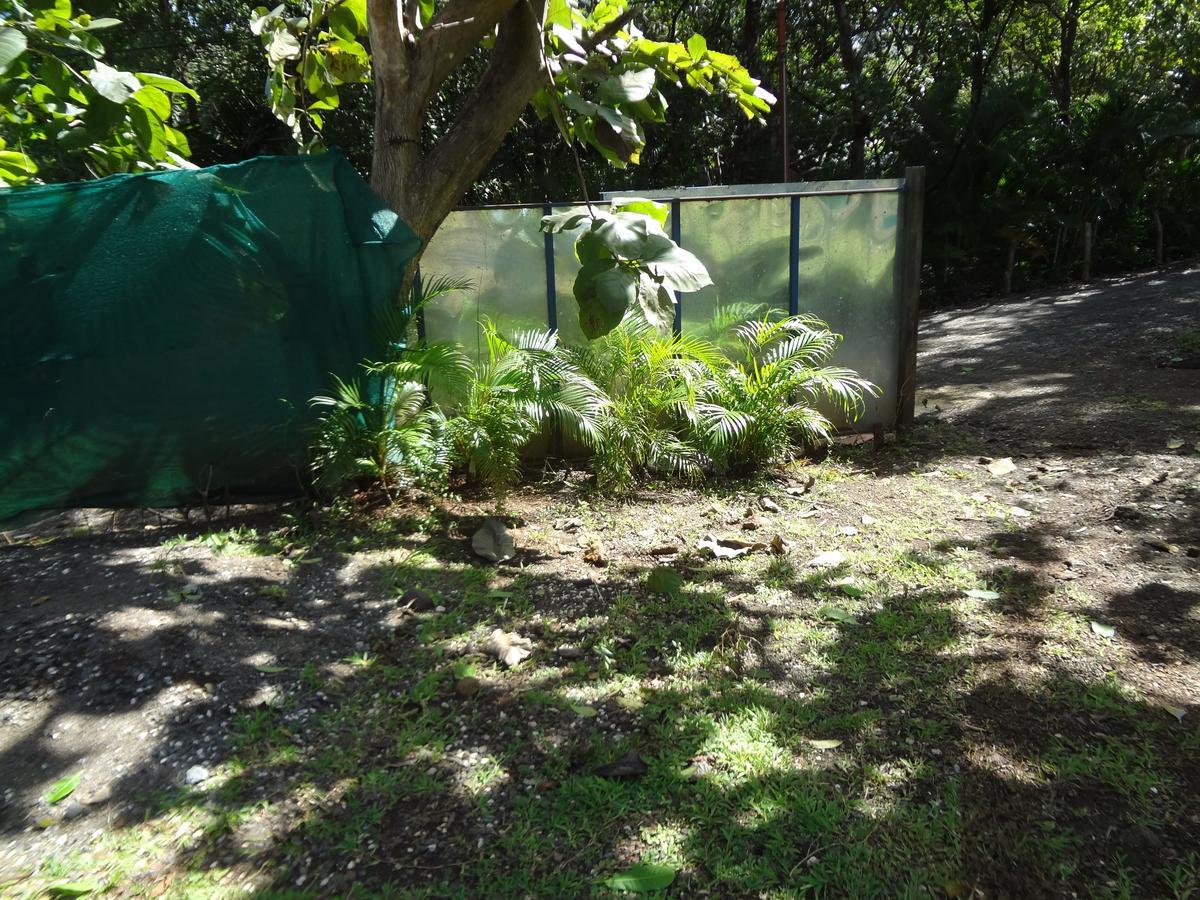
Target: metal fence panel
[[838, 250]]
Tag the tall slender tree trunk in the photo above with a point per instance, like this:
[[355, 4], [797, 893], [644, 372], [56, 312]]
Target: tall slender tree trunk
[[1010, 265], [1087, 250], [852, 63], [1159, 256], [1064, 67]]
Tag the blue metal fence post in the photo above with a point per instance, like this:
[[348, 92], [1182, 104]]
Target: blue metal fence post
[[675, 204]]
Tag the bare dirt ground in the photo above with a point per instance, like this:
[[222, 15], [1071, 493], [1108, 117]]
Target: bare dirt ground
[[142, 656]]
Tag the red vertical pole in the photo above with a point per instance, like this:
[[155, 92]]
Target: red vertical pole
[[781, 11]]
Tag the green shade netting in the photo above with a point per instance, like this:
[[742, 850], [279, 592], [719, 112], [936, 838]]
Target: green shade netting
[[161, 334]]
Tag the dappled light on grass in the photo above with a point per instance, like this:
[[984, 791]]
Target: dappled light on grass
[[956, 721]]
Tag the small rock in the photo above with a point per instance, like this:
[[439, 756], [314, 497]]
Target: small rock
[[196, 775], [493, 542], [509, 648], [72, 810], [766, 504], [567, 652], [98, 795]]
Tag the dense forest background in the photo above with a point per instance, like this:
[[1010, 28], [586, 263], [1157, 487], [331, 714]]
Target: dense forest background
[[1038, 120]]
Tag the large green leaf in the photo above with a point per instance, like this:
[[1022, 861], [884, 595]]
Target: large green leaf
[[604, 292], [167, 84], [652, 208], [678, 269], [656, 302], [344, 23], [628, 87], [12, 45], [564, 221], [148, 129], [284, 45], [154, 100], [15, 166], [642, 878], [625, 233], [113, 84]]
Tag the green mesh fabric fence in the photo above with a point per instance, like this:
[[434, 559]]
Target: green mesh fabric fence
[[162, 333]]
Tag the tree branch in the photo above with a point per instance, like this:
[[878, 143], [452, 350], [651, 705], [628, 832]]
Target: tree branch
[[511, 79], [455, 31]]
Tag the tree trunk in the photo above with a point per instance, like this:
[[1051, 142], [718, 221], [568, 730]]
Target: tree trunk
[[1159, 258], [1010, 265], [1087, 251], [1068, 33], [423, 184], [852, 62]]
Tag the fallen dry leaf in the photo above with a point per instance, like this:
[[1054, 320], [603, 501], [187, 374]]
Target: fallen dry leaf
[[729, 548], [508, 647], [595, 554]]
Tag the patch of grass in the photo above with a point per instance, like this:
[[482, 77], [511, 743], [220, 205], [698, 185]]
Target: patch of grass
[[1188, 340]]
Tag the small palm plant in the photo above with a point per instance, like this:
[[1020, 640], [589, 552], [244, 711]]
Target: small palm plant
[[651, 380], [769, 399], [524, 382], [381, 428]]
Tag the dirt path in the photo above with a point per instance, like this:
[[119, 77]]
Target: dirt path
[[148, 657]]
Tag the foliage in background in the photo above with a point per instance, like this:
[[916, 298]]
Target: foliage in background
[[65, 112], [1033, 119]]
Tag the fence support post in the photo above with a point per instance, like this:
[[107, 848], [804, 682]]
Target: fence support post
[[675, 231], [912, 202], [794, 257]]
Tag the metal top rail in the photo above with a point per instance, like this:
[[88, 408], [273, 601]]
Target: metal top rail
[[671, 197]]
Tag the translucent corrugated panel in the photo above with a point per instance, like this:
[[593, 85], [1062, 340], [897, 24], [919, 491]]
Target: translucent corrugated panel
[[848, 278], [503, 253], [744, 244], [565, 268]]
